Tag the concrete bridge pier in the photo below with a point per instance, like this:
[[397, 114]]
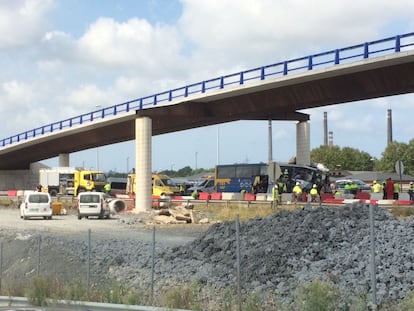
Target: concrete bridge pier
[[63, 159], [303, 143], [143, 165]]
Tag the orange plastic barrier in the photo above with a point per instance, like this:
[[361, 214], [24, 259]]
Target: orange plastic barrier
[[204, 196], [249, 197], [215, 195], [11, 193]]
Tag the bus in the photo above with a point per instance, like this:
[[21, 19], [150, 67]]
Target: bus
[[260, 177]]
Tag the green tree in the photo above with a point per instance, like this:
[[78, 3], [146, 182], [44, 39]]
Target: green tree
[[330, 156], [348, 158], [397, 151]]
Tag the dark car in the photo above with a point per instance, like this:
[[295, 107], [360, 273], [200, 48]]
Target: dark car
[[340, 184]]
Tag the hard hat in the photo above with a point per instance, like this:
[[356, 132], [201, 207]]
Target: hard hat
[[411, 182], [374, 182], [297, 183], [275, 186], [314, 186]]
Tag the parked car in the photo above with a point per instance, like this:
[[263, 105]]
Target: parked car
[[340, 184], [93, 204], [36, 204], [206, 185]]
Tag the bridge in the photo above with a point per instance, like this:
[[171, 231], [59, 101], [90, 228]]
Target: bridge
[[272, 92]]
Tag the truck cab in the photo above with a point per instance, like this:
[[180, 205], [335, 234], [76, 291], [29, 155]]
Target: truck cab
[[161, 184]]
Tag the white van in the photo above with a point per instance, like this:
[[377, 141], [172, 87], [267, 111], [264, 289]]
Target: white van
[[36, 204], [93, 204]]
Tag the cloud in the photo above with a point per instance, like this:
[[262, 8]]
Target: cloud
[[134, 43], [270, 31], [63, 74], [22, 22]]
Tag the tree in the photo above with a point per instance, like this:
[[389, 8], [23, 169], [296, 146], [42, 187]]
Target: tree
[[398, 151], [330, 156], [348, 158]]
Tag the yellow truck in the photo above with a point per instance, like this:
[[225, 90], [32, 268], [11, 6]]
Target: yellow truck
[[71, 180], [161, 185]]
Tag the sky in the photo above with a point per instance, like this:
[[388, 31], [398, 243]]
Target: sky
[[61, 58]]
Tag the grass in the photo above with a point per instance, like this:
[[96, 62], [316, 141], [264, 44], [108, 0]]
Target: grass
[[316, 295], [402, 211]]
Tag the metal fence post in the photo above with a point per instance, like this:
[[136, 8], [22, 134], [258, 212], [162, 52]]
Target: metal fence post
[[38, 254], [1, 263], [153, 265], [88, 275], [373, 270], [238, 262]]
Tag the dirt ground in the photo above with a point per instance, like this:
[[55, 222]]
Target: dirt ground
[[19, 240]]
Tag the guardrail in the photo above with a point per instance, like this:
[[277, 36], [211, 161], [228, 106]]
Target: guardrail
[[348, 54], [21, 303]]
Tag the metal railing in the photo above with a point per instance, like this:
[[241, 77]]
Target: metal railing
[[22, 303], [348, 54]]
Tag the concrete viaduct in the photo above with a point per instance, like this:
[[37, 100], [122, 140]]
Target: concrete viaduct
[[274, 92]]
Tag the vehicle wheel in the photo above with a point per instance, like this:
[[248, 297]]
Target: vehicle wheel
[[79, 216], [87, 217], [45, 217], [25, 217], [50, 217]]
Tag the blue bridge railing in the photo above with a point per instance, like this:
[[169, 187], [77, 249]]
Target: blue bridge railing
[[349, 54]]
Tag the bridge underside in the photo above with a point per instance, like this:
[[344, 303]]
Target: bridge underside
[[280, 99]]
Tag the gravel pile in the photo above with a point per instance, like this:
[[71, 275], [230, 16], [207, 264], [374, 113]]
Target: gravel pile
[[288, 248], [277, 253]]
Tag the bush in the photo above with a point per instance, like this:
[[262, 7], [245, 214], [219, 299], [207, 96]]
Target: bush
[[39, 291], [408, 303], [317, 296], [183, 297]]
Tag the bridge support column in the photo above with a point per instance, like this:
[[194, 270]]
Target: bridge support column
[[303, 143], [143, 180], [64, 159]]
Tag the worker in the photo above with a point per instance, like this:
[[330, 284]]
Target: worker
[[396, 194], [281, 185], [182, 189], [376, 187], [194, 194], [411, 191], [347, 187], [297, 192], [354, 187], [107, 188], [389, 189], [275, 195], [314, 193]]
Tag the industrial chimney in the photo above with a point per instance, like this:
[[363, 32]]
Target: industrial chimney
[[325, 128], [330, 138], [389, 127]]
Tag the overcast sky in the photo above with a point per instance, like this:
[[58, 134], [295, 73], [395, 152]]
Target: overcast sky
[[61, 58]]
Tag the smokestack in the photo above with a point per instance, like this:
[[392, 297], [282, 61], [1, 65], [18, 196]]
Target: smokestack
[[389, 127], [330, 138], [325, 128]]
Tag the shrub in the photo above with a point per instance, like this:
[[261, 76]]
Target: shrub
[[39, 291], [317, 296]]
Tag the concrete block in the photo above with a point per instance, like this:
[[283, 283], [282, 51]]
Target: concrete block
[[262, 196], [236, 196], [404, 196], [286, 197], [376, 196]]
